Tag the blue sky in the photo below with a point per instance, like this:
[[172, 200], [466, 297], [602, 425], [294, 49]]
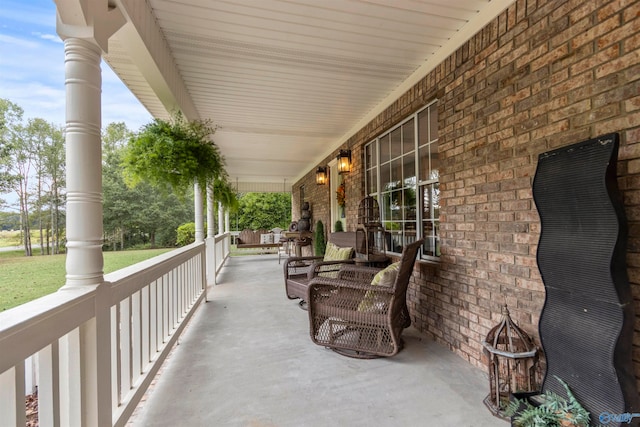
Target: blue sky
[[32, 68]]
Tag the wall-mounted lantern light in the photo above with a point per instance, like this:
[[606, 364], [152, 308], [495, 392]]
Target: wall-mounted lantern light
[[321, 175], [344, 161]]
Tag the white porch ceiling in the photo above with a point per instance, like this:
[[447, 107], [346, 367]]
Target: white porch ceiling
[[285, 81]]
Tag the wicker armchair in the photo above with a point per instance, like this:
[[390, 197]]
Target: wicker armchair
[[355, 318], [299, 271]]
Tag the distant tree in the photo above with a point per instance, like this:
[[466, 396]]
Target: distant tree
[[264, 210], [118, 203], [18, 174], [142, 212], [10, 117], [46, 145], [55, 168], [28, 152]]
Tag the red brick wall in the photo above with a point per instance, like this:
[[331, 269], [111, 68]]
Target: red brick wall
[[544, 74]]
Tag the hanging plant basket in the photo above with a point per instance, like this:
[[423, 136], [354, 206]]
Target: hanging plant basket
[[175, 153]]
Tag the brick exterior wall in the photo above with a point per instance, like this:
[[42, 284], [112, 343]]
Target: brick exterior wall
[[542, 75]]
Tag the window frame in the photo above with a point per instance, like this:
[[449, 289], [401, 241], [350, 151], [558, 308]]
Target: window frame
[[375, 163]]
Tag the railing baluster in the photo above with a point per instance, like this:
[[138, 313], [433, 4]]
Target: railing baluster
[[136, 336], [115, 358], [145, 327], [166, 309], [153, 319], [125, 347], [12, 396], [99, 371], [49, 386]]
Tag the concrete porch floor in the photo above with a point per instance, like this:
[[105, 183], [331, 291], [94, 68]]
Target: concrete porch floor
[[246, 359]]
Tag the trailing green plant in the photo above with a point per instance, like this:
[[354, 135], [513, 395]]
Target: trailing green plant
[[176, 153], [319, 242], [338, 226], [554, 411], [225, 194]]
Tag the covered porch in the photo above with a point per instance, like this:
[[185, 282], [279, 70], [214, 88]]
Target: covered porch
[[493, 87], [246, 359]]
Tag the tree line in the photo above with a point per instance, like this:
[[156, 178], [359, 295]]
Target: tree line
[[32, 178]]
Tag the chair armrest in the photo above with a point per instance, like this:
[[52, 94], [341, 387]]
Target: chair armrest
[[330, 268], [336, 284], [357, 297], [358, 273], [298, 265]]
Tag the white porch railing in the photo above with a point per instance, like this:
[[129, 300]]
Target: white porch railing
[[99, 347]]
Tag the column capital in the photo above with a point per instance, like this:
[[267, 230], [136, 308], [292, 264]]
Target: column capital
[[93, 20]]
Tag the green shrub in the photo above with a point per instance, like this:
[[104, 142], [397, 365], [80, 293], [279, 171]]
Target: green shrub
[[319, 242], [338, 226], [186, 234]]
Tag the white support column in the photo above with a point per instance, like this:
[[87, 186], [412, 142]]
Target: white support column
[[211, 241], [220, 218], [211, 230], [199, 207], [84, 356], [83, 82], [85, 389]]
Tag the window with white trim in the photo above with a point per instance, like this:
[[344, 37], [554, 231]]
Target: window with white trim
[[402, 174]]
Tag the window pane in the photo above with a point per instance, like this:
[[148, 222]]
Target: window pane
[[410, 205], [369, 159], [372, 181], [409, 171], [396, 205], [435, 161], [435, 196], [395, 240], [408, 140], [385, 177], [427, 203], [384, 148], [396, 173], [428, 231], [385, 209], [409, 232], [423, 127], [424, 162], [396, 143]]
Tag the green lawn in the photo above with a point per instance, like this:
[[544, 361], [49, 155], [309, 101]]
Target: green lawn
[[23, 279]]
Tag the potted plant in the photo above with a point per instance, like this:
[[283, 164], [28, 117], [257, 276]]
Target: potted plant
[[547, 409], [319, 242]]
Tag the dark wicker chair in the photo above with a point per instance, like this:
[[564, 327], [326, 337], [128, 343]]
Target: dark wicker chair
[[357, 319], [298, 271]]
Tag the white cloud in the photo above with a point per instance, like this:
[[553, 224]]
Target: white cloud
[[52, 37], [10, 43], [32, 68]]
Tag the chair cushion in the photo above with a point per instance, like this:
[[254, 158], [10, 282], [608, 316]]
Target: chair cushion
[[336, 253], [266, 238], [387, 276], [384, 277]]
